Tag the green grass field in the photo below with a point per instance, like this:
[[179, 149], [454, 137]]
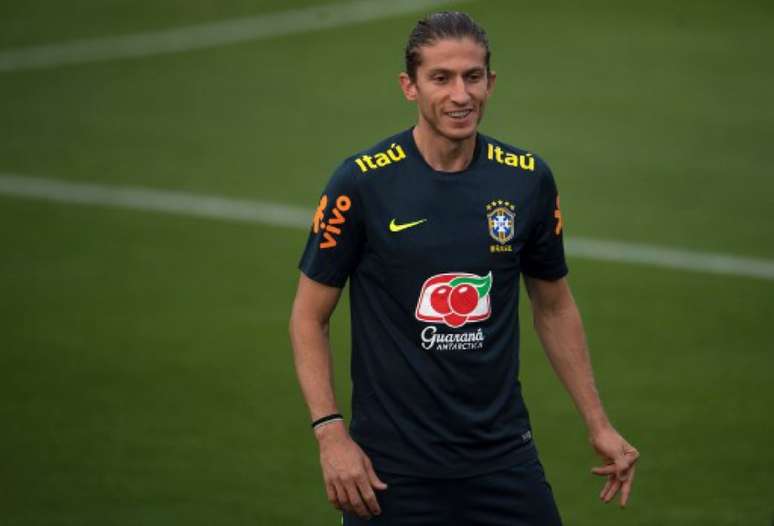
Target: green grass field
[[145, 370]]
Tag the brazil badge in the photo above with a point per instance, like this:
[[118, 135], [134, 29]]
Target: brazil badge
[[501, 220]]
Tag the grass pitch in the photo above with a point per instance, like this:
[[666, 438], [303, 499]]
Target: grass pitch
[[145, 369]]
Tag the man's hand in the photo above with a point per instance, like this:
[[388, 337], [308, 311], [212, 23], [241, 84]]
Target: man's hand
[[349, 477], [620, 458]]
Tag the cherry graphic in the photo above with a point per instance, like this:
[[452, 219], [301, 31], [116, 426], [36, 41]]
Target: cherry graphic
[[439, 299], [455, 320], [463, 299]]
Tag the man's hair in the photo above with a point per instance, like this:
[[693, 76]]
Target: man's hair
[[439, 26]]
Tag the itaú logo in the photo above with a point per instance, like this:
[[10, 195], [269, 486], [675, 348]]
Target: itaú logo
[[455, 298]]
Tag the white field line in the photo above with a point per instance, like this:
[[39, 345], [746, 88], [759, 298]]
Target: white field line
[[210, 35], [155, 200], [644, 254], [294, 217]]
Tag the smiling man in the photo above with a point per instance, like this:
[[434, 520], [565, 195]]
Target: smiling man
[[433, 228]]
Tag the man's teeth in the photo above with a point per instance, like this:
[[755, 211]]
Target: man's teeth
[[458, 114]]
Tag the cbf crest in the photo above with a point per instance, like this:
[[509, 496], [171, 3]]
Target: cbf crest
[[501, 220]]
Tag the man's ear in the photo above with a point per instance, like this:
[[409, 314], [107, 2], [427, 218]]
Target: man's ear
[[408, 86], [491, 77]]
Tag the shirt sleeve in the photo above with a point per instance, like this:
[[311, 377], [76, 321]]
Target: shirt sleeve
[[336, 236], [543, 256]]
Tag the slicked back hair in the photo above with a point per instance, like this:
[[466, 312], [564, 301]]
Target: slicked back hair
[[439, 26]]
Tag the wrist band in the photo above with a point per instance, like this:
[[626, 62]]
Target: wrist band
[[329, 419]]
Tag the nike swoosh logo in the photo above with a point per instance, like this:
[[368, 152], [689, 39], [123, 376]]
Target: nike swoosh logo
[[395, 227]]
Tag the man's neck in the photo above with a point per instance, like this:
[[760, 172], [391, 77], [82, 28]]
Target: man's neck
[[442, 154]]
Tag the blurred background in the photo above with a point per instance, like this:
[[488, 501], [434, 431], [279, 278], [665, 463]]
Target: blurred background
[[146, 281]]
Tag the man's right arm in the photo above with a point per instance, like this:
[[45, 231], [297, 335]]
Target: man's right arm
[[347, 471]]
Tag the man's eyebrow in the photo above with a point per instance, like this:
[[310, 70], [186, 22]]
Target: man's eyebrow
[[435, 71], [445, 71], [476, 69]]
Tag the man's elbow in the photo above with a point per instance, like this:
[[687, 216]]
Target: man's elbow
[[303, 322], [548, 313]]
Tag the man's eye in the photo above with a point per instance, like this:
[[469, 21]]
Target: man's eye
[[439, 78]]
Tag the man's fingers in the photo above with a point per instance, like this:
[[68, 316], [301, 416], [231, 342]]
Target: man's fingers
[[625, 463], [620, 458], [615, 485], [364, 486], [330, 491], [342, 498], [605, 488], [622, 466], [605, 470], [626, 488], [373, 478], [353, 495]]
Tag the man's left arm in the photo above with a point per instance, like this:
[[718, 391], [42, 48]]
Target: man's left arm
[[560, 329]]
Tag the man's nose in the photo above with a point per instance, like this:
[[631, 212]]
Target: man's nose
[[459, 91]]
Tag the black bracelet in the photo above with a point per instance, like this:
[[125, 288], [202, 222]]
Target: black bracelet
[[326, 419]]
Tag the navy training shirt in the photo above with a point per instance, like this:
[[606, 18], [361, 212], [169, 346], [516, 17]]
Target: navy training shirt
[[434, 260]]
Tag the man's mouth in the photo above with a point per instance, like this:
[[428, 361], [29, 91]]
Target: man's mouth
[[459, 114]]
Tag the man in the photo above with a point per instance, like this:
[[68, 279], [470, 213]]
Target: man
[[433, 228]]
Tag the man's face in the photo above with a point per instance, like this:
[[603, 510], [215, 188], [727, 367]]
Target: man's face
[[451, 87]]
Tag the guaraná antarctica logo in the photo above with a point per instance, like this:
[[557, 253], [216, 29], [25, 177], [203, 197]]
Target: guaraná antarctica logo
[[455, 299]]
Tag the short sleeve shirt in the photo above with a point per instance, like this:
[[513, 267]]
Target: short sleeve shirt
[[434, 261]]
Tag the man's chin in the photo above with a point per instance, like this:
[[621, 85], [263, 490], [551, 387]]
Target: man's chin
[[459, 134], [453, 133]]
